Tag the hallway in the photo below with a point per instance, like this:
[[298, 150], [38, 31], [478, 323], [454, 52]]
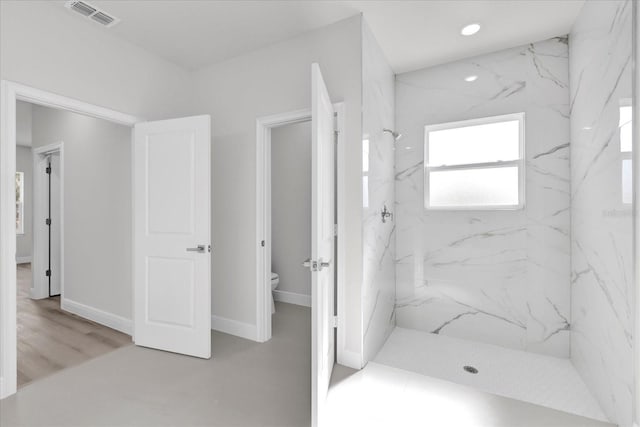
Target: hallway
[[50, 339]]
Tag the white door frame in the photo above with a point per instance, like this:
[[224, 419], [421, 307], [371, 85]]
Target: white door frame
[[39, 286], [10, 92], [264, 125]]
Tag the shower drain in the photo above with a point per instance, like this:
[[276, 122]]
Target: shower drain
[[470, 369]]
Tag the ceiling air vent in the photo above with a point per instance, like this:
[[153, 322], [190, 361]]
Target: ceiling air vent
[[89, 11], [102, 18], [82, 8]]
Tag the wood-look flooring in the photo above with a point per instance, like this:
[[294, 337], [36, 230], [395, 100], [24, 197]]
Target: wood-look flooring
[[50, 339]]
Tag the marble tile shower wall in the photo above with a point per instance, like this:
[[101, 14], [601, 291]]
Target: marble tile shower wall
[[379, 286], [602, 227], [501, 277]]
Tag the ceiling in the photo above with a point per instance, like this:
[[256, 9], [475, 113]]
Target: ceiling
[[412, 34]]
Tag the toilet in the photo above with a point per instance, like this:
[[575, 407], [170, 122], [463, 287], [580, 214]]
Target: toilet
[[275, 279]]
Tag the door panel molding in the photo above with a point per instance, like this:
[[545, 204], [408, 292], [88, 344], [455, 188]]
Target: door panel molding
[[172, 218]]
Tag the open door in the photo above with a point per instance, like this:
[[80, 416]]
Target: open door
[[172, 237], [322, 263]]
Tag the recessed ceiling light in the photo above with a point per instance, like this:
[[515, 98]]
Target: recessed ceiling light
[[470, 29], [472, 78]]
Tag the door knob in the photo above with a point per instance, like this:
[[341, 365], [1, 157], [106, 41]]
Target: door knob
[[200, 249], [314, 265]]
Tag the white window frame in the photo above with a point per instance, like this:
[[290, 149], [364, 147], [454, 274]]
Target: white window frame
[[520, 162]]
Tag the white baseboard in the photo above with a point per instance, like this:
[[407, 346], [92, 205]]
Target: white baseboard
[[292, 298], [102, 317], [234, 327], [3, 392], [36, 294], [23, 259], [349, 359]]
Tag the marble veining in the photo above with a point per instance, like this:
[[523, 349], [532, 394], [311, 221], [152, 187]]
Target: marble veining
[[602, 225], [379, 284], [499, 277]]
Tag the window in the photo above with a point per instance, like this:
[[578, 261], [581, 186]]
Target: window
[[19, 202], [625, 125], [475, 164]]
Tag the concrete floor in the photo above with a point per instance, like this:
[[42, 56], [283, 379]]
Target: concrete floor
[[244, 384], [251, 384]]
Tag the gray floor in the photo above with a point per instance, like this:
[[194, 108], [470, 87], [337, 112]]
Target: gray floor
[[244, 384], [250, 384]]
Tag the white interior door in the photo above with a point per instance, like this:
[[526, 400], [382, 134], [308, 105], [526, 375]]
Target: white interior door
[[172, 237], [322, 243], [55, 242]]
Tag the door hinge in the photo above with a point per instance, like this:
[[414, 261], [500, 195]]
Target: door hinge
[[47, 221], [334, 322], [262, 243], [335, 229], [48, 170], [47, 273]]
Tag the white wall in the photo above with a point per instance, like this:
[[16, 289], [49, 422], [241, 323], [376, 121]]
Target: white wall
[[44, 45], [602, 300], [23, 123], [270, 81], [97, 207], [291, 206], [379, 246], [636, 180], [24, 163]]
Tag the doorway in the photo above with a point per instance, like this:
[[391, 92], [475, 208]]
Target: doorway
[[48, 224], [265, 132], [290, 203], [52, 334], [11, 94]]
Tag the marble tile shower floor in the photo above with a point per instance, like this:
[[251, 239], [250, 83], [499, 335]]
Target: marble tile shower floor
[[534, 378]]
